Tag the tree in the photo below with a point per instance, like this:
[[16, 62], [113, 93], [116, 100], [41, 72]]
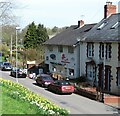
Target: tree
[[6, 15], [42, 35], [35, 36], [30, 37]]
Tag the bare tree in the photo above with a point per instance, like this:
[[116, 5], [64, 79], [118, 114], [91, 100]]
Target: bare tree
[[6, 15]]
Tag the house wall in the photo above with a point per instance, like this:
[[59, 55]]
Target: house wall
[[113, 62], [73, 61]]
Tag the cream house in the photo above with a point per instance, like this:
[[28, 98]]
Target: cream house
[[62, 51], [101, 53]]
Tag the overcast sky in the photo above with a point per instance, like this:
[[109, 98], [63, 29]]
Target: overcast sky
[[60, 13]]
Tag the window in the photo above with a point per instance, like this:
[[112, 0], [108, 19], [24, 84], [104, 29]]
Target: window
[[101, 50], [115, 25], [70, 50], [90, 72], [50, 48], [108, 51], [47, 58], [60, 48], [118, 76], [90, 49], [71, 72], [54, 69], [119, 51], [102, 25]]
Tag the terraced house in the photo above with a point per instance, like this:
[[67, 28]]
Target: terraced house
[[62, 51], [101, 56], [91, 50]]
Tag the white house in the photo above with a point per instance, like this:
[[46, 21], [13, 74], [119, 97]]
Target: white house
[[100, 48], [62, 51]]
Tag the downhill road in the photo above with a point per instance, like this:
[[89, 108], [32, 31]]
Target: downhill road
[[75, 104]]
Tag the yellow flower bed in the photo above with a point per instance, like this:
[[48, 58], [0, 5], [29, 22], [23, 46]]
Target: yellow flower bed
[[18, 91]]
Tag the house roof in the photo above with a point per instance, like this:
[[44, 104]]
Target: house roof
[[69, 36], [103, 31]]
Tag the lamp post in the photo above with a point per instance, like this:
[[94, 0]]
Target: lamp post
[[17, 29]]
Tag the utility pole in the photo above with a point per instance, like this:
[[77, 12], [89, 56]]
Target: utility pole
[[11, 50]]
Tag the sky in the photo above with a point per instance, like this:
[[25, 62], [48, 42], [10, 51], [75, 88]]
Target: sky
[[60, 13]]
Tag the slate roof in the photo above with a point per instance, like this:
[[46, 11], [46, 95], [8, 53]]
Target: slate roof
[[69, 36], [105, 34]]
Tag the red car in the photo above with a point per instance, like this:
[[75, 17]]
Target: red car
[[44, 80], [61, 86]]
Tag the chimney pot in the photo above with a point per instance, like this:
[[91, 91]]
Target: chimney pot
[[80, 23]]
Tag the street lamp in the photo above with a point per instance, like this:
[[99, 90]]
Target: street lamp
[[17, 29]]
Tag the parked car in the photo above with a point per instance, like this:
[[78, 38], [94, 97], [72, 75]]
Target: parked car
[[44, 80], [20, 73], [61, 86], [5, 66]]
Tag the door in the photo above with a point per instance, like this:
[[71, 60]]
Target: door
[[101, 76], [107, 78]]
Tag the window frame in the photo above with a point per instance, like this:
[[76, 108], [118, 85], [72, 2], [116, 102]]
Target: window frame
[[90, 50], [71, 71], [102, 51], [108, 51], [118, 76]]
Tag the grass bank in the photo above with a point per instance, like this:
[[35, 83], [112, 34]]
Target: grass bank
[[16, 99]]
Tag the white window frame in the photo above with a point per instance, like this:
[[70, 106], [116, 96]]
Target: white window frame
[[118, 77], [108, 52], [115, 25], [102, 51], [102, 25], [90, 49]]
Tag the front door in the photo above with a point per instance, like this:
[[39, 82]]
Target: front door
[[101, 76], [107, 78]]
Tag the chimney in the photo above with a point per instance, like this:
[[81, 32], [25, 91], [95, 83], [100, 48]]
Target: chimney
[[80, 23], [109, 9]]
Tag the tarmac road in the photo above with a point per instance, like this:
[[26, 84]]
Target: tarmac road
[[76, 104]]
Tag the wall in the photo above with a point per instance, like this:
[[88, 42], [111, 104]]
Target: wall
[[73, 59]]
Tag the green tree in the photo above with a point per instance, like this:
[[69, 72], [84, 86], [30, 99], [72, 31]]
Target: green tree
[[42, 35], [35, 36], [30, 37]]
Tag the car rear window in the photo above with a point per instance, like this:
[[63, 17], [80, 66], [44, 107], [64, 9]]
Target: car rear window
[[65, 83], [47, 78]]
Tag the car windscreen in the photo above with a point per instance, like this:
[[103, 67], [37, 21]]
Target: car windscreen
[[7, 64]]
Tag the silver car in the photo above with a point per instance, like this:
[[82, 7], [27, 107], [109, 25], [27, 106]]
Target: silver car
[[5, 66]]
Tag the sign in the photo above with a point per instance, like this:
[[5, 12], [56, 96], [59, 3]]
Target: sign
[[53, 56]]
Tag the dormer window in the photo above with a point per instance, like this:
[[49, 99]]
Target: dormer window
[[102, 25], [115, 25]]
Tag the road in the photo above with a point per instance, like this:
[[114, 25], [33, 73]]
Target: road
[[74, 103]]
